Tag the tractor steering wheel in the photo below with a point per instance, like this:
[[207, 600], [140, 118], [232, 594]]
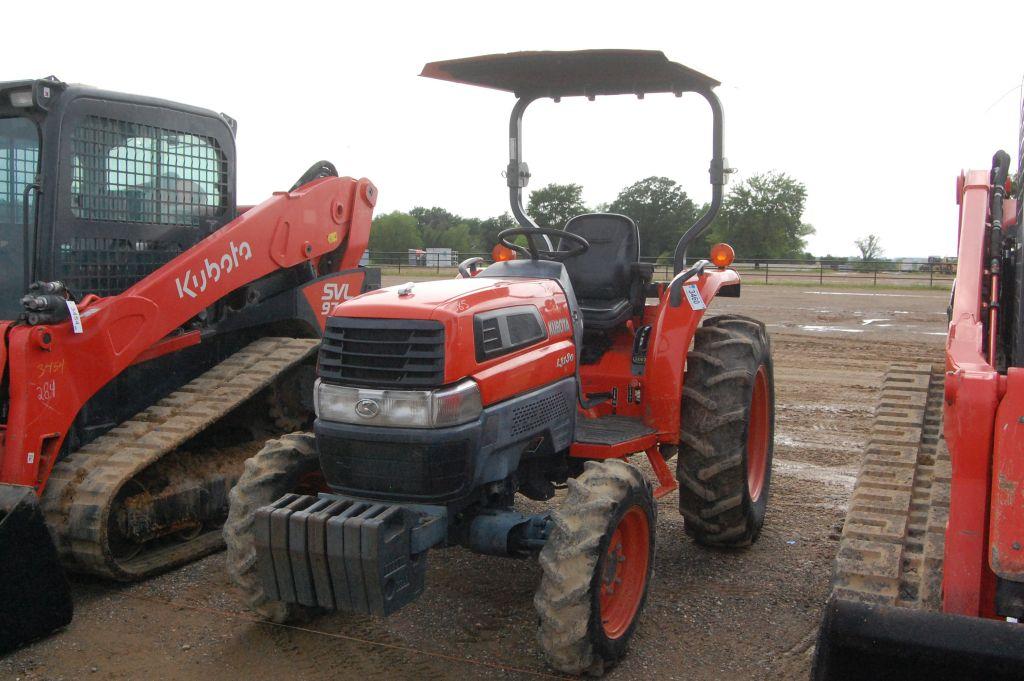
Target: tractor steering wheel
[[535, 253]]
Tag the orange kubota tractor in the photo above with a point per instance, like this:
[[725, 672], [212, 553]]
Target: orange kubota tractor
[[153, 330], [929, 580], [438, 403]]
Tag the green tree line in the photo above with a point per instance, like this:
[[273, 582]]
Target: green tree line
[[761, 217]]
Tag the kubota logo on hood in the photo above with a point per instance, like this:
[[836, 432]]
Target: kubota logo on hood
[[193, 283]]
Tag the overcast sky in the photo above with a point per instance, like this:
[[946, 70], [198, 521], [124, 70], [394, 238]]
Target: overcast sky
[[874, 106]]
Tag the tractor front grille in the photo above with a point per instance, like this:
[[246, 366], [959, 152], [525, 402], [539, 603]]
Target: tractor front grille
[[412, 469], [383, 353]]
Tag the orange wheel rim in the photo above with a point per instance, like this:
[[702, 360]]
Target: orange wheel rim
[[757, 436], [623, 572]]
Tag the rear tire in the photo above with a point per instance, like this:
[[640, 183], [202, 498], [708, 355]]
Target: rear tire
[[727, 432], [597, 565], [280, 467]]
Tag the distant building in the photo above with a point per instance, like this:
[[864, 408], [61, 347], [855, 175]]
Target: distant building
[[441, 257]]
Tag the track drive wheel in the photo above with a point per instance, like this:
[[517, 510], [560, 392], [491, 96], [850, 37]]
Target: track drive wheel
[[287, 464], [728, 427], [597, 566]]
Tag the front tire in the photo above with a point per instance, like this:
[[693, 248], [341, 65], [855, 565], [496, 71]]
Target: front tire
[[598, 564], [727, 432], [283, 465]]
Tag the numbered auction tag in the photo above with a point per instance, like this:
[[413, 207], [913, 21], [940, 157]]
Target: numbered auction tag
[[76, 319], [693, 297]]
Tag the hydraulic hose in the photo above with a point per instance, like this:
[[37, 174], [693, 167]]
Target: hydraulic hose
[[1000, 171]]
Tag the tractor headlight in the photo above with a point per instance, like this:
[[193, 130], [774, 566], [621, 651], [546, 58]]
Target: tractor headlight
[[449, 406]]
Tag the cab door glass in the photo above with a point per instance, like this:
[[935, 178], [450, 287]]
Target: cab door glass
[[19, 165]]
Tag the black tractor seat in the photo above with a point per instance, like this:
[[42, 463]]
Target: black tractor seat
[[609, 278]]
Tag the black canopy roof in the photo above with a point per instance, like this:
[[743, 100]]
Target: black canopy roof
[[568, 74]]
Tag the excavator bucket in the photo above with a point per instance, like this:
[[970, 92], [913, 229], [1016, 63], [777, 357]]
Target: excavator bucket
[[34, 595], [880, 642]]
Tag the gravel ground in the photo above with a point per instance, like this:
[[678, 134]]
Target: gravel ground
[[711, 614]]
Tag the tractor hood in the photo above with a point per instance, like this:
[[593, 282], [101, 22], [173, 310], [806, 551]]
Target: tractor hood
[[469, 311], [444, 299]]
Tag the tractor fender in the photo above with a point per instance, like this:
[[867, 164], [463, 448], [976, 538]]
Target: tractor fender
[[671, 335]]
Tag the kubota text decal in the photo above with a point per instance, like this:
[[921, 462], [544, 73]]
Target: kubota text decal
[[191, 284]]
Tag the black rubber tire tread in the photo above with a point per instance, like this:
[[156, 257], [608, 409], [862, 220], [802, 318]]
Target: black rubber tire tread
[[714, 500], [81, 493], [273, 472], [570, 633]]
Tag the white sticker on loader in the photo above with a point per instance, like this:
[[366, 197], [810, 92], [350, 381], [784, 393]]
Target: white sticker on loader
[[76, 319], [693, 297]]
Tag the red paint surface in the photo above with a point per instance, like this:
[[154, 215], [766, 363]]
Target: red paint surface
[[758, 431], [1006, 533], [453, 302], [623, 572], [972, 396]]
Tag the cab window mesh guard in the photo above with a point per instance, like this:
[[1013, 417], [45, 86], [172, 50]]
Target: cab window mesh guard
[[19, 158], [135, 173]]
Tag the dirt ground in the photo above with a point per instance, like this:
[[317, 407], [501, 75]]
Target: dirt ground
[[710, 614]]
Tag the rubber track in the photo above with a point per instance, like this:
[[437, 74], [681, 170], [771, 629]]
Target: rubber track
[[892, 543], [82, 486]]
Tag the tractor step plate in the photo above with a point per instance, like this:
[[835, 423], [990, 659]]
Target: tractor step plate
[[339, 554], [611, 430]]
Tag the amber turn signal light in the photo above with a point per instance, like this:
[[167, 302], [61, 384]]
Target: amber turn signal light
[[722, 255], [502, 253]]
